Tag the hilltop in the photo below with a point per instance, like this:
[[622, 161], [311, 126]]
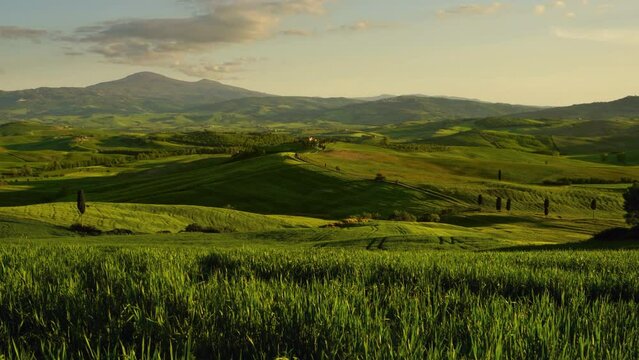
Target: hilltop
[[144, 92], [626, 108], [150, 93]]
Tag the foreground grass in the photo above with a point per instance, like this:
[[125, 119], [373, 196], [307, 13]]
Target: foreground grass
[[108, 301]]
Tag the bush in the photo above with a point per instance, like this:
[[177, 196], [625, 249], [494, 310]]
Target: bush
[[617, 234], [631, 204], [434, 218], [85, 230], [380, 177], [402, 215], [201, 229], [120, 232]]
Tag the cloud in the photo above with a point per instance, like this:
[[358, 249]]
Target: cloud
[[14, 32], [472, 9], [295, 32], [212, 70], [612, 35], [540, 9], [170, 41], [362, 25]]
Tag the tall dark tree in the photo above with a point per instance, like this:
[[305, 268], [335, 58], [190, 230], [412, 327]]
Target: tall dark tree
[[509, 205], [499, 174], [631, 204], [498, 204], [546, 207], [81, 202], [480, 201], [593, 206]]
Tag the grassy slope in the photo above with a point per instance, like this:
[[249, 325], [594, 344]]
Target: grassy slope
[[154, 218]]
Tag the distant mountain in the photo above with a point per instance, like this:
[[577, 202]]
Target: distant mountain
[[626, 108], [152, 93], [411, 108], [277, 108], [138, 93], [357, 111]]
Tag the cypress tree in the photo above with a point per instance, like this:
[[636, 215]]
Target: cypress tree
[[546, 207], [81, 202], [498, 204], [509, 204], [499, 175], [593, 206], [480, 201]]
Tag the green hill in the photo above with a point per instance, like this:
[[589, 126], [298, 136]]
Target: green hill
[[276, 108], [138, 93], [415, 108], [626, 108]]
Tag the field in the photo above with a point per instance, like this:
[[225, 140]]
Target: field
[[170, 300], [368, 244]]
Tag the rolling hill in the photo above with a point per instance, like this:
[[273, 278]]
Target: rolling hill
[[138, 93], [626, 108], [149, 93], [352, 111], [413, 108]]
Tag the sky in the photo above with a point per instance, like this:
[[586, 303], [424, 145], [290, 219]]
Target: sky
[[538, 52]]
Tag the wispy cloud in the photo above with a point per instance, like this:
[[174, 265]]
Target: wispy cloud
[[611, 35], [362, 25], [219, 71], [472, 9], [295, 32], [15, 32], [171, 41]]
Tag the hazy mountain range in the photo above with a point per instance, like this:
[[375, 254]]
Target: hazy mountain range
[[152, 93]]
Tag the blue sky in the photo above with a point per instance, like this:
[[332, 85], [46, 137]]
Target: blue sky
[[547, 52]]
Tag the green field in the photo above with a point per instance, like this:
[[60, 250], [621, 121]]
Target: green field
[[167, 299], [368, 244]]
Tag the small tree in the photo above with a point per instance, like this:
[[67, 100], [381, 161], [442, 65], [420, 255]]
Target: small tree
[[499, 175], [593, 207], [480, 201], [81, 203], [631, 204], [509, 205], [380, 177], [621, 157], [498, 204], [546, 207]]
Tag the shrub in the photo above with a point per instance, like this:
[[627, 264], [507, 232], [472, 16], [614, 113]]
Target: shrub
[[85, 230], [631, 204], [434, 218], [120, 232], [402, 215], [380, 177], [201, 229]]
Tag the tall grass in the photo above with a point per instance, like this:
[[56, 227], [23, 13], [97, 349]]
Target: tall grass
[[106, 302]]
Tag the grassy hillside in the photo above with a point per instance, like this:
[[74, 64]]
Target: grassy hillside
[[142, 218], [626, 108], [135, 94], [413, 108]]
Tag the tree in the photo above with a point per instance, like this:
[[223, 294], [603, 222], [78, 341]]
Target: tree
[[499, 174], [509, 205], [81, 202], [593, 206], [621, 157], [498, 204], [480, 201], [546, 207], [631, 204], [380, 177]]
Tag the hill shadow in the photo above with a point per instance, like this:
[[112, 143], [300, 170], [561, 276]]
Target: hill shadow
[[609, 239]]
